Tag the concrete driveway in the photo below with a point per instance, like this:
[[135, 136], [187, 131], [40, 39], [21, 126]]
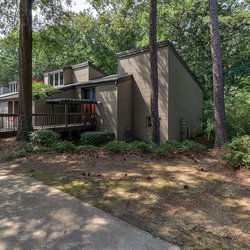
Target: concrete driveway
[[35, 216]]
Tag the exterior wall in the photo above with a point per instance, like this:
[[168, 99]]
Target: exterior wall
[[94, 74], [3, 106], [80, 75], [107, 108], [139, 66], [185, 99], [67, 76], [3, 109], [124, 108], [4, 90], [46, 79]]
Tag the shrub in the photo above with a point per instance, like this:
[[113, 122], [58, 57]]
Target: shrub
[[171, 147], [35, 148], [237, 105], [238, 152], [41, 90], [143, 147], [192, 146], [119, 146], [96, 138], [17, 154], [44, 137], [86, 148], [64, 146], [164, 149]]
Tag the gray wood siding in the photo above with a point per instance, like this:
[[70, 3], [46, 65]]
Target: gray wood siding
[[94, 74], [185, 99], [124, 108], [106, 97], [139, 66], [80, 75]]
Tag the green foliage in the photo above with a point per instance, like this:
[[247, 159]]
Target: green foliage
[[173, 147], [143, 147], [96, 138], [44, 137], [238, 152], [237, 102], [17, 154], [41, 90], [64, 146], [8, 60], [35, 148], [164, 149], [238, 111], [119, 146]]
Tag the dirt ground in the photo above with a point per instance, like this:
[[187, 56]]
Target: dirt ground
[[194, 203]]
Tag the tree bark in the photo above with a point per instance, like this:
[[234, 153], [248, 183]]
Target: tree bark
[[218, 88], [154, 73], [25, 71]]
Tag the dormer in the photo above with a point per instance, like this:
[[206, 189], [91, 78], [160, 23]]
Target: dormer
[[75, 73], [13, 86]]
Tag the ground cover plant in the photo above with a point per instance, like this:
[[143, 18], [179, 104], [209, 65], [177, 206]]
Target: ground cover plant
[[96, 138]]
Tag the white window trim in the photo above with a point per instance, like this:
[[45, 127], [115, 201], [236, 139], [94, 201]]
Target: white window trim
[[54, 79]]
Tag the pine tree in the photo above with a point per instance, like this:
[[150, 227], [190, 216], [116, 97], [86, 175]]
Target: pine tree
[[154, 73]]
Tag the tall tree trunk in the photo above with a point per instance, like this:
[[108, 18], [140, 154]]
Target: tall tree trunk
[[154, 73], [25, 71], [218, 88]]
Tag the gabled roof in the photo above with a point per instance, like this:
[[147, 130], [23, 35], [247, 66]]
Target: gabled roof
[[162, 44]]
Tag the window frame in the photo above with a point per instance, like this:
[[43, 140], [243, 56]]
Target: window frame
[[56, 78]]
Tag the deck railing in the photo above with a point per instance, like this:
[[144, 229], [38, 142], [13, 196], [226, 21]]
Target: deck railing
[[9, 122]]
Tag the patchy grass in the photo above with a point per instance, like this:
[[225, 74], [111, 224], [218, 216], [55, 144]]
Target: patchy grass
[[194, 203]]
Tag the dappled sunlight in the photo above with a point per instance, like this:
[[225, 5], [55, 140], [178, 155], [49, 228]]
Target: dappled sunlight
[[181, 200], [34, 216]]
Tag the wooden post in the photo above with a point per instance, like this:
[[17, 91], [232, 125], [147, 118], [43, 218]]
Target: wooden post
[[84, 113], [90, 114], [66, 115]]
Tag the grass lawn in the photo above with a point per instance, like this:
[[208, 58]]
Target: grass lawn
[[194, 203]]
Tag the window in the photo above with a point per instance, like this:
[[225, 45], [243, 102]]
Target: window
[[13, 87], [89, 94], [56, 79]]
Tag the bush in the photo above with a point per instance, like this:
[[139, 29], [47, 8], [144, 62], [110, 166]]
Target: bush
[[192, 146], [119, 146], [96, 138], [64, 146], [44, 137], [238, 112], [41, 90], [34, 148], [164, 149], [143, 147], [238, 152], [237, 105]]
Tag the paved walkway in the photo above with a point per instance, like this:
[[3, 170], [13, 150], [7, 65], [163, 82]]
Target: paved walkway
[[35, 216]]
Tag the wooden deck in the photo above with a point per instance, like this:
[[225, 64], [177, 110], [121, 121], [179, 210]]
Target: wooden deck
[[57, 122]]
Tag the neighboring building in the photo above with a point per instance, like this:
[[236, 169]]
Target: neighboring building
[[123, 100], [9, 100], [4, 90]]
